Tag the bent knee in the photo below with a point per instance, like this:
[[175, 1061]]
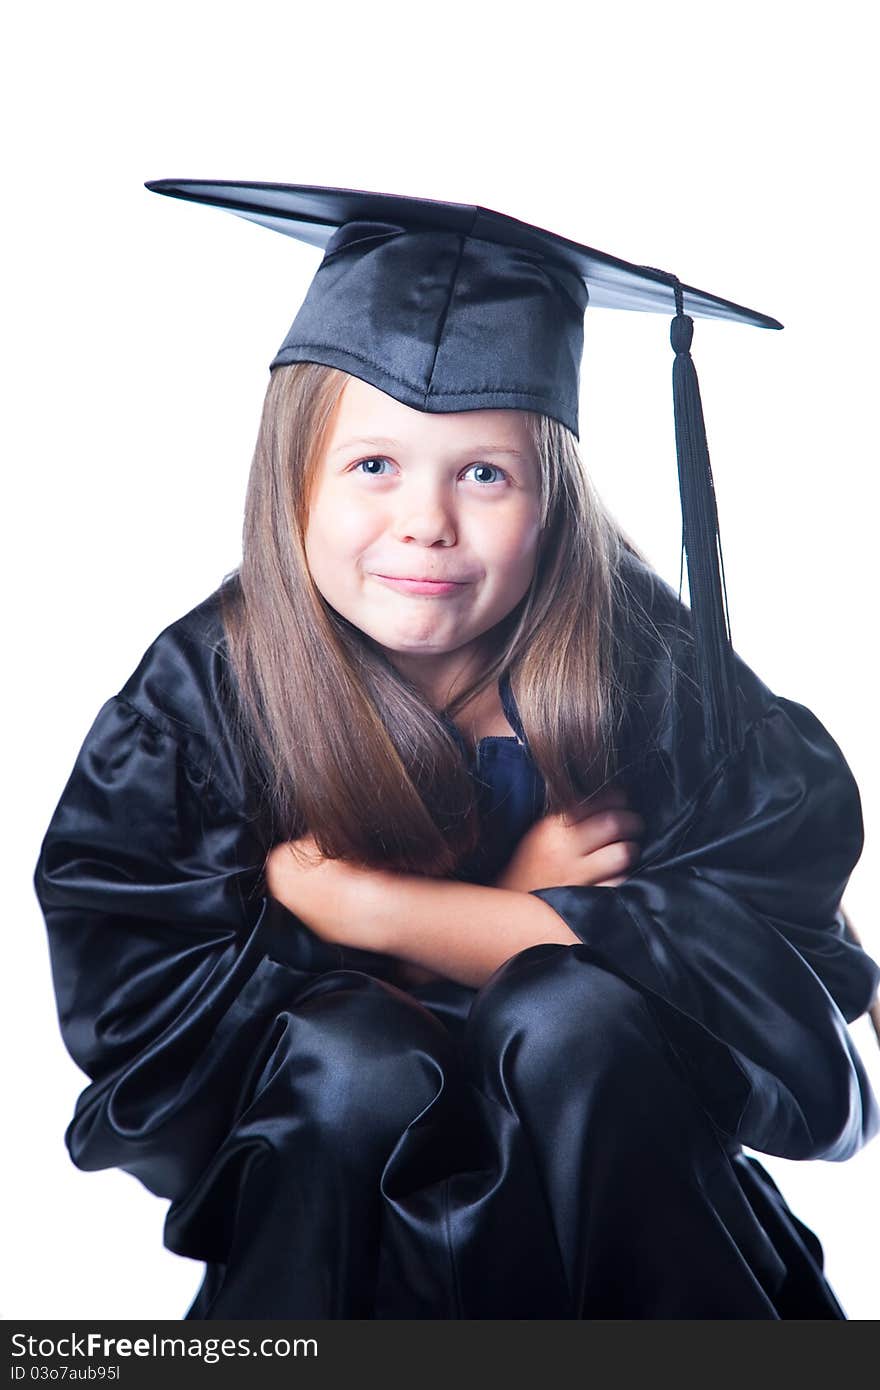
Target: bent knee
[[560, 1009], [354, 1056]]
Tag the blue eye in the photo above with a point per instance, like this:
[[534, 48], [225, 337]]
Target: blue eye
[[371, 460], [489, 466]]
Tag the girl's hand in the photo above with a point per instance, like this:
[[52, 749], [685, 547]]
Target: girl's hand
[[591, 847]]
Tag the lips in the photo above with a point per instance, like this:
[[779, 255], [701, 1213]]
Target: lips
[[427, 587]]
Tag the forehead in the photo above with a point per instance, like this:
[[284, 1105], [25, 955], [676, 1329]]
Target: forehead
[[364, 414]]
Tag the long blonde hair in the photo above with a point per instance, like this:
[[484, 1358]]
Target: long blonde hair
[[343, 745]]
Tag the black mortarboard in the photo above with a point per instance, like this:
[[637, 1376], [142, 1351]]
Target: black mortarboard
[[448, 307]]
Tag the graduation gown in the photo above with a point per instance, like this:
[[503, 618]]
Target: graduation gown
[[566, 1141]]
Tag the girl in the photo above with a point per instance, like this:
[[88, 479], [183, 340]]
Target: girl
[[419, 942]]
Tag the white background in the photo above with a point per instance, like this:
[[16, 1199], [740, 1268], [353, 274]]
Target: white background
[[733, 146]]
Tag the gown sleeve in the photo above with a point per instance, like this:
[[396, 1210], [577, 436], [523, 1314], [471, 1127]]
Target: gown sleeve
[[169, 963], [731, 925]]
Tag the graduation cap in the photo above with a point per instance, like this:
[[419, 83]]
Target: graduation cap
[[449, 307]]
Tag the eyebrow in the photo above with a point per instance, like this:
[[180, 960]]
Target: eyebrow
[[380, 441]]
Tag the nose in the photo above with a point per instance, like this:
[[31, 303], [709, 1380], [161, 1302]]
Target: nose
[[424, 513]]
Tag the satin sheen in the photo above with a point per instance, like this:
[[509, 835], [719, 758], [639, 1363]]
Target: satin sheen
[[566, 1141]]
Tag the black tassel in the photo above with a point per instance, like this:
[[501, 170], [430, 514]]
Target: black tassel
[[702, 546]]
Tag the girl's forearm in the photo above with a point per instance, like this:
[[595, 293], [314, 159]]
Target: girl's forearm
[[464, 931]]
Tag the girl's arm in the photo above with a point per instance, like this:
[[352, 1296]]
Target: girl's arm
[[460, 930], [464, 931]]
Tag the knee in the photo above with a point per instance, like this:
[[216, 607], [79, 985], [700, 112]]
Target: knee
[[554, 1010], [354, 1059]]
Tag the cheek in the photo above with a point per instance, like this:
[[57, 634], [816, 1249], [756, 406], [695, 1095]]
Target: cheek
[[335, 534], [511, 550]]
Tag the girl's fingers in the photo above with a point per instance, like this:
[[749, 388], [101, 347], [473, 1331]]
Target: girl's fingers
[[606, 828], [612, 861]]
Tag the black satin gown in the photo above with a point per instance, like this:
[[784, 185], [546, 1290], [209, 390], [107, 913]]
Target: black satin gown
[[565, 1142]]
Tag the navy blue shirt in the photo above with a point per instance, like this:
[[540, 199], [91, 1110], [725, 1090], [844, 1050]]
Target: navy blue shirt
[[510, 791]]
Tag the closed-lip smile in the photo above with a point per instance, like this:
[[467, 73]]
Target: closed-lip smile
[[426, 588], [420, 578]]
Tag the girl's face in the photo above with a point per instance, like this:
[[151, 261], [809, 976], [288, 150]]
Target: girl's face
[[400, 494]]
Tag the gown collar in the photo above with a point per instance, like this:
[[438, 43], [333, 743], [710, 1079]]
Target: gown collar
[[508, 704], [511, 714]]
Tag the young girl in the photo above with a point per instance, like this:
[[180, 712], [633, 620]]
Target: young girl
[[419, 943]]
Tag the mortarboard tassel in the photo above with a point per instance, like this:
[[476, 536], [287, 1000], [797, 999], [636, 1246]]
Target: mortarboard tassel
[[701, 543]]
